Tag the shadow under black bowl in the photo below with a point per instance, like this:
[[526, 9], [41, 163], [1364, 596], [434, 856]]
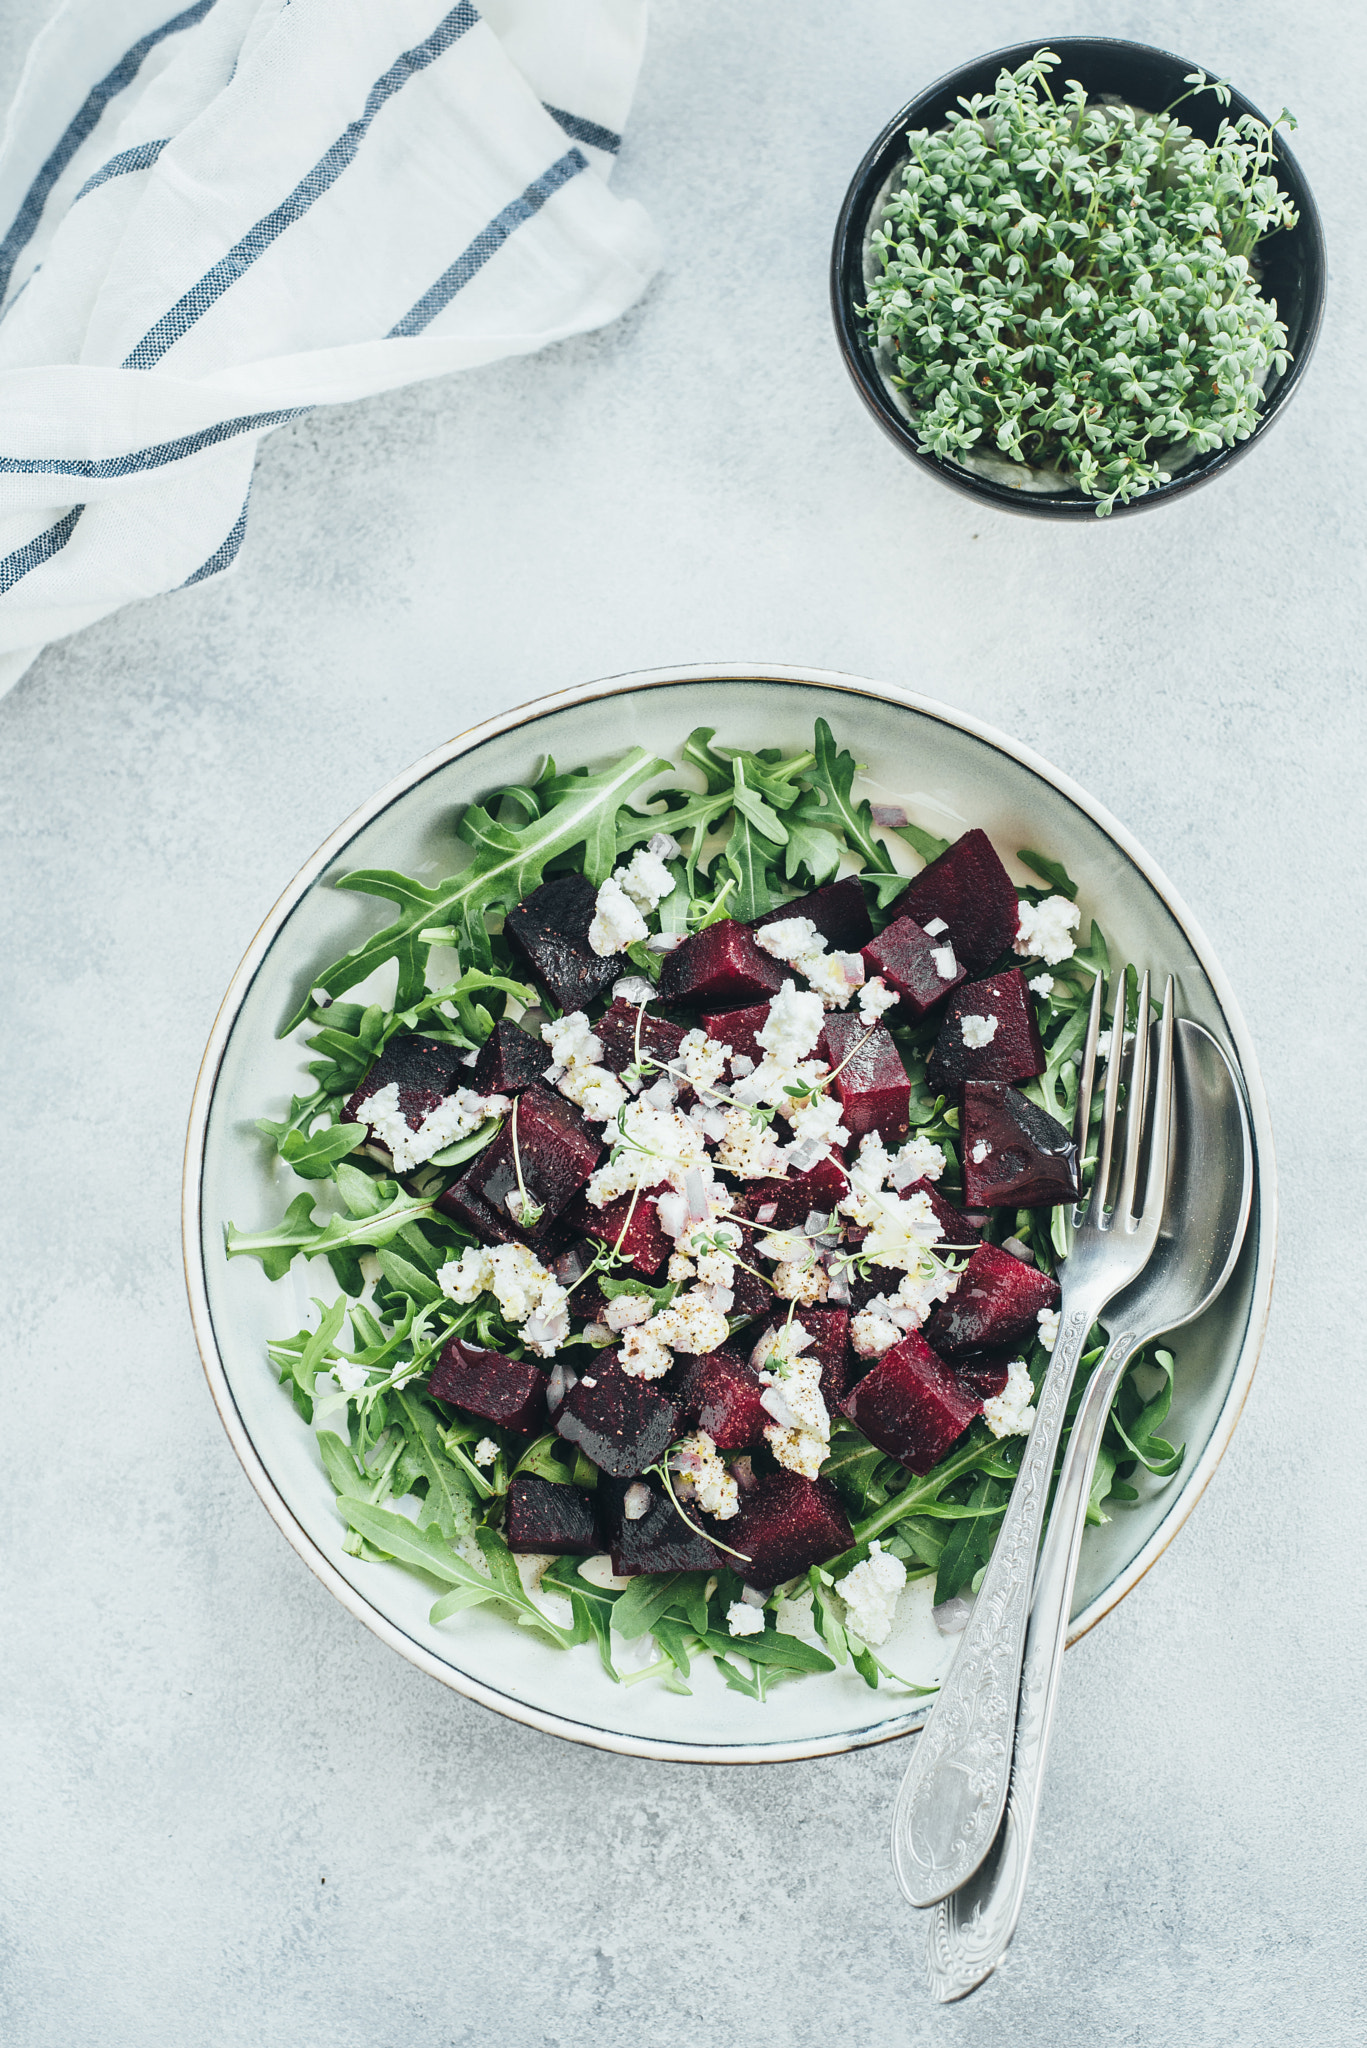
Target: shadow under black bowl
[[1292, 263]]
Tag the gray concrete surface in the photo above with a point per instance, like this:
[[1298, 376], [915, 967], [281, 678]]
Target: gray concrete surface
[[232, 1816]]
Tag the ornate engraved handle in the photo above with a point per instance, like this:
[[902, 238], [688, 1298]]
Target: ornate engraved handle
[[951, 1799], [971, 1930]]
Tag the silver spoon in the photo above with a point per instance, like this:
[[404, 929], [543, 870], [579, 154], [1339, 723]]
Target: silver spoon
[[1210, 1192]]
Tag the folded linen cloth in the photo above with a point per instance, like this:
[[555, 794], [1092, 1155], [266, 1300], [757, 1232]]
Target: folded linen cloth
[[222, 216]]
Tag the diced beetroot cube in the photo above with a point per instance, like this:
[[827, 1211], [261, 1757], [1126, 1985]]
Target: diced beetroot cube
[[838, 911], [549, 931], [864, 1287], [634, 1229], [873, 1088], [752, 1296], [424, 1069], [1014, 1051], [509, 1061], [659, 1039], [737, 1028], [587, 1301], [997, 1301], [983, 1373], [795, 1197], [621, 1424], [786, 1524], [910, 1404], [557, 1521], [510, 1391], [829, 1330], [955, 1227], [1014, 1153], [721, 1394], [720, 967], [907, 961], [971, 891], [557, 1151], [660, 1540]]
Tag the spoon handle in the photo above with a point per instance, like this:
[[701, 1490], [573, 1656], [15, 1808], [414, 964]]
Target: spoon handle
[[971, 1930], [951, 1799]]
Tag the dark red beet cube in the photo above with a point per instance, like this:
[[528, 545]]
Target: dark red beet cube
[[721, 1394], [838, 911], [738, 1028], [971, 892], [786, 1524], [873, 1088], [1013, 1053], [425, 1070], [633, 1229], [983, 1373], [907, 961], [621, 1424], [549, 931], [829, 1330], [955, 1227], [795, 1197], [556, 1520], [911, 1405], [558, 1152], [1014, 1152], [997, 1301], [660, 1540], [659, 1039], [510, 1391], [509, 1061], [720, 967], [753, 1296]]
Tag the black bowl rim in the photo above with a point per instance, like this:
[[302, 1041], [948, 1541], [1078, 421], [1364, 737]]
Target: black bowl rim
[[854, 210]]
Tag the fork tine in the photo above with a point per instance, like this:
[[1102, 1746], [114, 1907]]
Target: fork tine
[[1156, 1179], [1082, 1114], [1096, 1210], [1136, 1100]]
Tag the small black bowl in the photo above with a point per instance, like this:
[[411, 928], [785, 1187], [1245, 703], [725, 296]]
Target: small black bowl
[[1293, 264]]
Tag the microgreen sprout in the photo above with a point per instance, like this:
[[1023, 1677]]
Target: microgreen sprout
[[1067, 285]]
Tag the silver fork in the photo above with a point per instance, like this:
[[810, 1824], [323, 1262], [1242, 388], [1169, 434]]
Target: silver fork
[[954, 1793]]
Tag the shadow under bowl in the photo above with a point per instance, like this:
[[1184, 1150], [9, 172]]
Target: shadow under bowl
[[1292, 264]]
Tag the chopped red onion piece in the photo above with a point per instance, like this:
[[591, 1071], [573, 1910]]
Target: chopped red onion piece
[[696, 1195], [818, 1220], [766, 1212], [951, 1616], [888, 814], [837, 1289], [741, 1065], [743, 1472], [755, 1596], [1018, 1250], [559, 1384], [633, 988], [664, 942], [636, 1501]]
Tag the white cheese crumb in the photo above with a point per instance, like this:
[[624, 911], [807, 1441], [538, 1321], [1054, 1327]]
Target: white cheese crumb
[[919, 1159], [1045, 930], [351, 1378], [645, 879], [797, 942], [980, 1151], [1042, 984], [1047, 1318], [454, 1117], [751, 1151], [793, 1025], [624, 1311], [743, 1620], [1009, 1413], [617, 923], [978, 1030], [702, 1477], [874, 998], [521, 1285], [872, 1334], [946, 966], [486, 1451], [643, 1356], [870, 1594]]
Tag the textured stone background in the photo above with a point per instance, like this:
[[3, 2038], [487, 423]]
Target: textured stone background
[[233, 1816]]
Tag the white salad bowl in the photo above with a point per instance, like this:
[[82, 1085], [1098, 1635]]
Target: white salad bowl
[[950, 772]]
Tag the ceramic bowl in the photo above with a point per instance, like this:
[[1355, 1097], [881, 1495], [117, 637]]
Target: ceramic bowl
[[1294, 264], [950, 772]]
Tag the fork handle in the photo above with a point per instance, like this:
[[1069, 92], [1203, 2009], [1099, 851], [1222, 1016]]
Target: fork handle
[[971, 1930], [951, 1799]]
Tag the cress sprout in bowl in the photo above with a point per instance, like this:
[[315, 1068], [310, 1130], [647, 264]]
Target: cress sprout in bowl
[[1065, 293]]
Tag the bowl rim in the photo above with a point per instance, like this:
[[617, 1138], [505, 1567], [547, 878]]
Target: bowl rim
[[885, 1728], [852, 221]]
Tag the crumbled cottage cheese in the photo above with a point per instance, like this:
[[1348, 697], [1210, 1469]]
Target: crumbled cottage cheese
[[1046, 929], [946, 966], [978, 1030], [800, 1434], [454, 1117], [918, 1159], [617, 923], [486, 1451], [1042, 984], [693, 1322], [703, 1059], [702, 1477], [870, 1594], [793, 1025], [576, 1050], [1010, 1412], [660, 1145], [645, 879], [871, 1333], [875, 997], [749, 1150], [744, 1620], [981, 1151], [521, 1285], [643, 1356], [797, 942], [1047, 1318]]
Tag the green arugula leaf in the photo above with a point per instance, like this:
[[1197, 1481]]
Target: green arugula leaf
[[833, 773], [1053, 871], [770, 1648], [278, 1248], [697, 751], [447, 1491], [750, 856], [642, 1604], [810, 846], [925, 843], [313, 1157]]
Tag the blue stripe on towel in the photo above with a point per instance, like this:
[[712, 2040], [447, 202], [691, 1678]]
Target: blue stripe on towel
[[487, 243], [325, 173], [225, 554], [113, 83], [139, 159], [585, 131], [137, 459], [40, 549]]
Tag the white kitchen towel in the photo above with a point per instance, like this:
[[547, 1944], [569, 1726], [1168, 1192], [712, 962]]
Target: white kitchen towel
[[222, 216]]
